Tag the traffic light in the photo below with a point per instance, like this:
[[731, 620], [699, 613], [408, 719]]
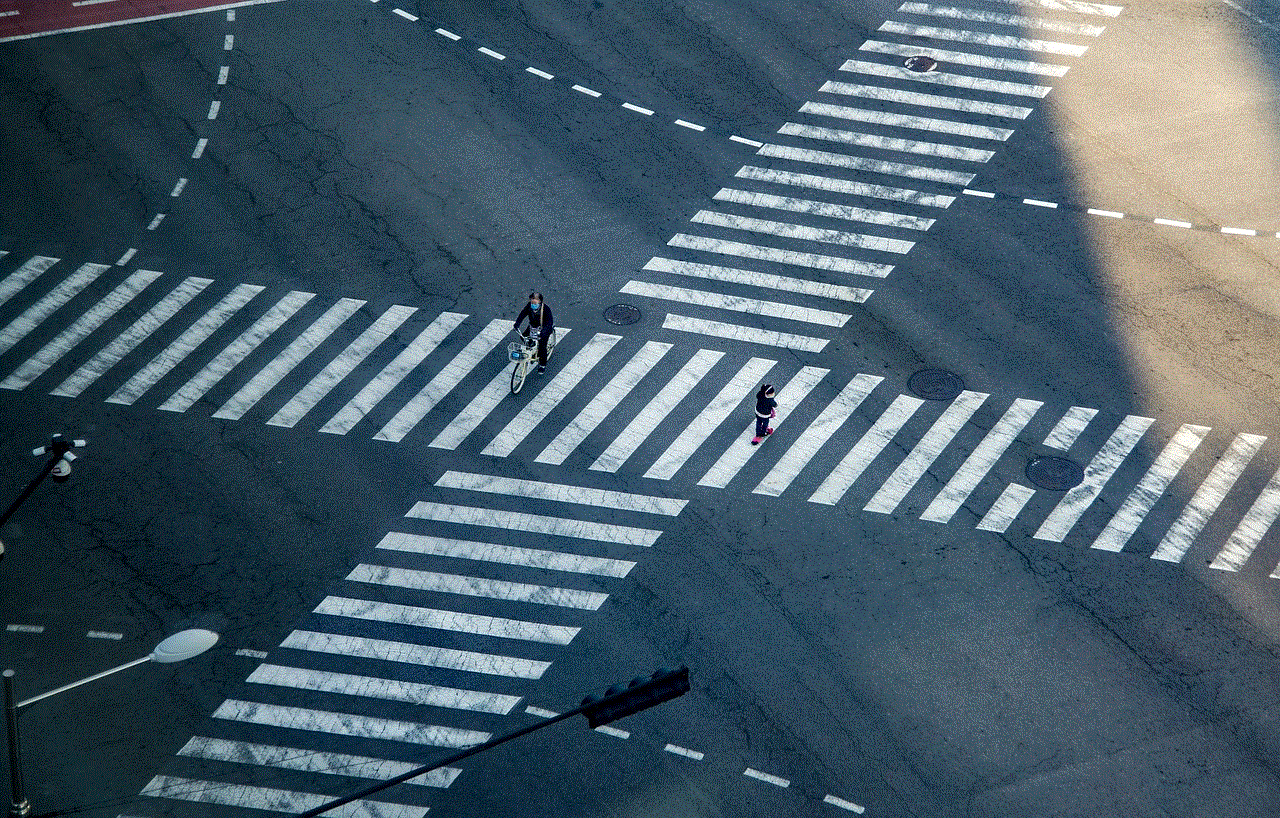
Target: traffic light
[[639, 694]]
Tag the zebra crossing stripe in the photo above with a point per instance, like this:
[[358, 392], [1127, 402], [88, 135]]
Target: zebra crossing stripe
[[347, 724], [828, 209], [965, 58], [24, 275], [1180, 536], [1150, 488], [377, 688], [341, 366], [34, 315], [833, 415], [737, 332], [709, 419], [737, 455], [886, 143], [184, 345], [1005, 509], [919, 123], [844, 186], [1014, 20], [913, 467], [560, 493], [128, 340], [980, 461], [534, 523], [405, 653], [455, 621], [970, 106], [69, 338], [984, 39], [244, 796], [537, 410], [270, 375], [798, 231], [1077, 7], [943, 78], [833, 264], [311, 761], [842, 160], [751, 278], [748, 305], [643, 424], [1255, 523], [506, 555], [1063, 435], [1104, 464], [871, 443]]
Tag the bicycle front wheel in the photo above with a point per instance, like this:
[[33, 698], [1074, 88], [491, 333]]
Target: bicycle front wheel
[[517, 375]]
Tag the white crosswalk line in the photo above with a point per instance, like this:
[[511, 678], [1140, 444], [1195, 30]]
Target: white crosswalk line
[[739, 451], [965, 58], [886, 143], [535, 523], [643, 424], [1255, 523], [737, 332], [1005, 509], [883, 94], [346, 724], [506, 555], [81, 328], [269, 799], [1104, 464], [311, 761], [980, 461], [562, 493], [833, 211], [1150, 488], [127, 341], [184, 344], [404, 363], [474, 413], [1180, 536], [947, 79], [996, 18], [742, 384], [378, 688], [843, 160], [918, 123], [24, 275], [847, 472], [455, 621], [816, 261], [1064, 434], [270, 375], [537, 410], [912, 468], [605, 401], [385, 650], [736, 303], [799, 231], [984, 39], [1077, 7], [815, 437], [341, 366], [750, 278], [36, 314], [235, 352], [845, 186]]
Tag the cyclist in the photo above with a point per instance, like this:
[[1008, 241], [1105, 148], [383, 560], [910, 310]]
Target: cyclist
[[539, 315]]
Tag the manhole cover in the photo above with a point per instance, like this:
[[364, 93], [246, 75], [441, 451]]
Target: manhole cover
[[921, 64], [935, 384], [621, 314], [1055, 473]]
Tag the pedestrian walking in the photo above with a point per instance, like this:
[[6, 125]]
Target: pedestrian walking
[[766, 409]]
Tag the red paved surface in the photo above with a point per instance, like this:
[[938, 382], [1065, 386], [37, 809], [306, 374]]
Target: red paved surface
[[36, 18]]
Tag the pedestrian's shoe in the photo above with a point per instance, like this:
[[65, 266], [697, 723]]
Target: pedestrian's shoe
[[768, 431], [542, 368], [755, 441]]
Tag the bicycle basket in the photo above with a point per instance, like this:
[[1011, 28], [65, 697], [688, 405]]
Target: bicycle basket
[[517, 351]]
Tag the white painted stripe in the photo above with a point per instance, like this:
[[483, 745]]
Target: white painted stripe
[[449, 34], [244, 796], [235, 352], [612, 731], [537, 410], [865, 450], [965, 58], [1172, 223], [753, 143], [124, 258], [587, 91], [749, 305], [1006, 508], [1239, 231], [1112, 214], [228, 42], [407, 653], [913, 467], [643, 424], [785, 177], [474, 413], [378, 688], [25, 628], [506, 555], [252, 654], [605, 401], [478, 587], [799, 231], [984, 39], [104, 635], [766, 777], [90, 2], [883, 94], [982, 194], [833, 264], [489, 52], [816, 436], [223, 74], [128, 340], [684, 751], [739, 451], [833, 211], [1077, 7], [406, 15], [201, 144], [1180, 536], [34, 315], [1040, 203], [980, 461], [1104, 464], [1255, 523], [178, 187], [690, 125], [156, 221], [24, 275], [69, 338], [637, 109], [312, 761], [184, 344], [841, 160], [562, 493], [943, 78], [1017, 21], [1064, 434], [538, 73], [919, 123], [742, 385], [750, 278], [843, 804], [455, 621], [346, 724], [341, 366], [536, 523], [540, 712], [737, 332], [886, 143], [214, 107], [1153, 484], [415, 353]]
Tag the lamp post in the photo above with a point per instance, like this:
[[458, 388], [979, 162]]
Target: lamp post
[[182, 645]]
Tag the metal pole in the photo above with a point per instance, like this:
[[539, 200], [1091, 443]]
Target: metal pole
[[20, 806]]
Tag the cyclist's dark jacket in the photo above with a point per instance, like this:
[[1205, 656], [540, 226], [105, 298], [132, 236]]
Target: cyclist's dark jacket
[[541, 318]]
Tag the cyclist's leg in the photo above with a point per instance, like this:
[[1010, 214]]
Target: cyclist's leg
[[542, 350]]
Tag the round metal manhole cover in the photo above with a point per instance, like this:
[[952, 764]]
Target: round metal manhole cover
[[935, 384], [921, 64], [621, 314], [1055, 473]]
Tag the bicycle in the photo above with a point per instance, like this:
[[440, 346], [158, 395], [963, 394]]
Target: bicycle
[[524, 354]]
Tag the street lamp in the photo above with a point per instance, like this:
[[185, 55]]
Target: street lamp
[[181, 645]]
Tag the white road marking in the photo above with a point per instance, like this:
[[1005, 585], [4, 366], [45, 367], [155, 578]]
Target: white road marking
[[612, 731], [919, 123], [843, 804], [478, 587], [538, 73], [751, 278], [1180, 536], [1040, 203], [311, 761], [886, 143], [883, 94], [1077, 7], [766, 777], [128, 254], [691, 126], [214, 107], [753, 143], [562, 493], [1255, 523], [448, 34], [25, 628], [489, 52], [984, 39], [536, 523], [637, 109], [377, 688], [455, 621], [872, 442], [177, 188], [737, 332], [1173, 223], [346, 724], [156, 221], [943, 78], [1005, 509], [1153, 484], [587, 91], [244, 796], [406, 15], [90, 2], [541, 712], [104, 635], [1239, 231], [827, 183], [828, 209], [1064, 434], [413, 654], [1111, 214], [228, 42], [980, 461], [841, 160], [982, 194], [835, 264], [744, 304], [36, 314], [683, 751], [506, 555], [27, 273], [965, 58], [799, 231], [223, 74], [201, 144], [252, 654], [1014, 20]]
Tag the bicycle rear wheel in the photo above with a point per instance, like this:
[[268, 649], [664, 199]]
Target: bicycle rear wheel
[[551, 345], [517, 375]]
